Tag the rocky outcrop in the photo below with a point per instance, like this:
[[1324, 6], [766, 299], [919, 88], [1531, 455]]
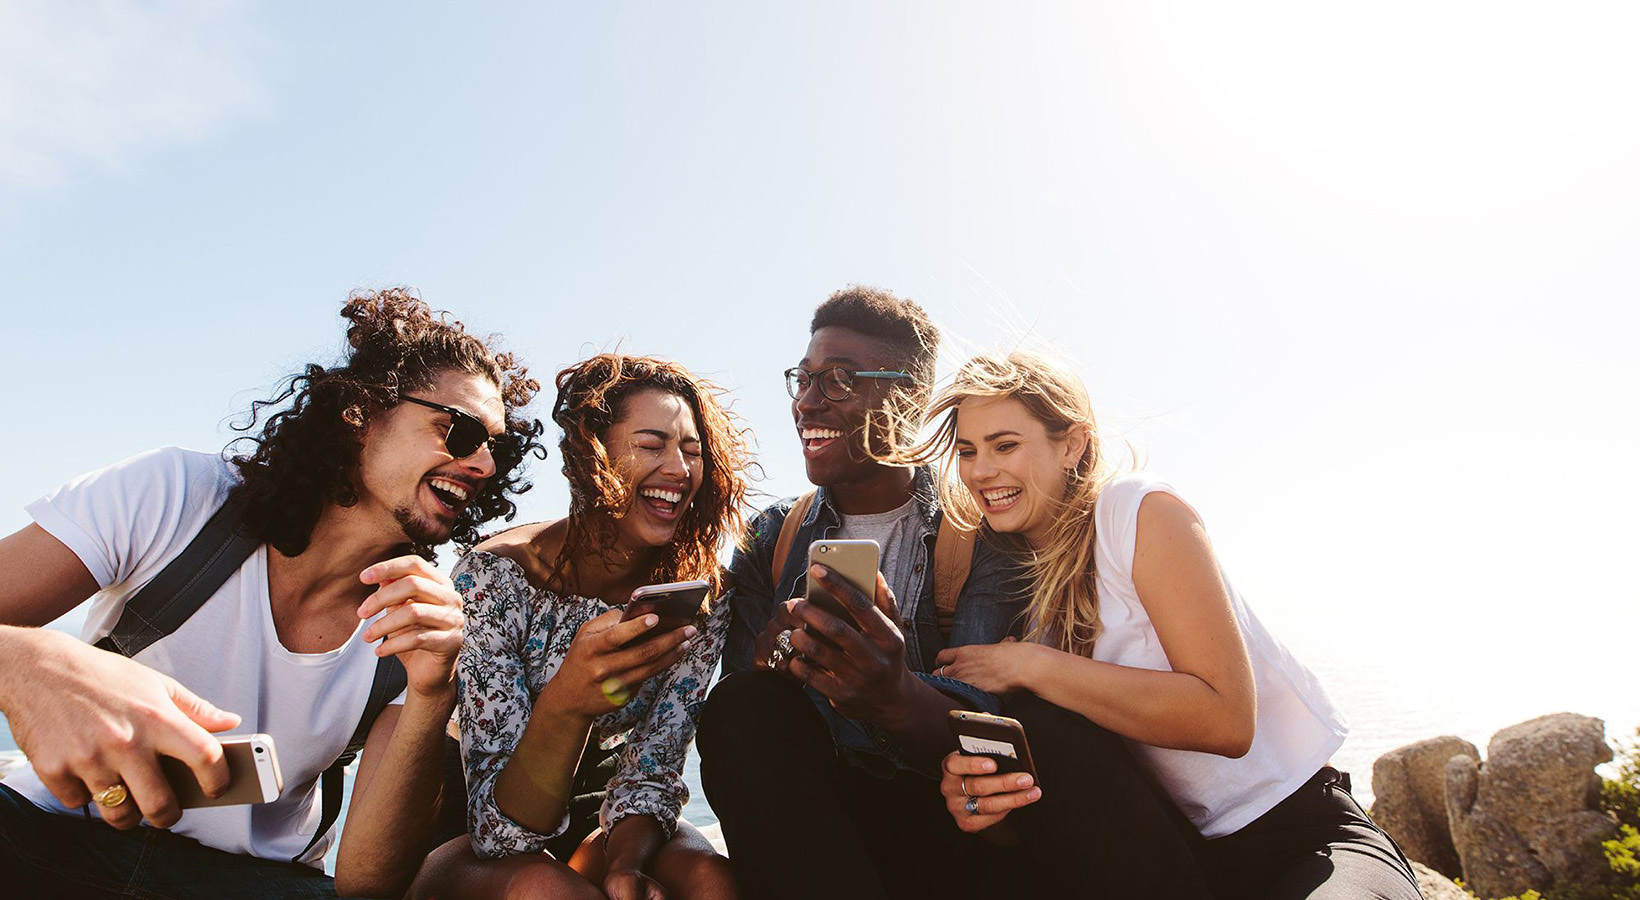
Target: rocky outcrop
[[1436, 886], [1528, 817], [1409, 790]]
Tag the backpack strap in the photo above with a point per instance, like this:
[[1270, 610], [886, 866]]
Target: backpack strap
[[788, 535], [182, 587], [388, 684], [953, 558]]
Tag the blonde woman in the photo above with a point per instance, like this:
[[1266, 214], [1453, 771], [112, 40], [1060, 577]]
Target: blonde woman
[[1134, 628]]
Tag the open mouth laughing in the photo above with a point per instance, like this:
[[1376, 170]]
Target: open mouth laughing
[[999, 499], [449, 495], [663, 502], [816, 440]]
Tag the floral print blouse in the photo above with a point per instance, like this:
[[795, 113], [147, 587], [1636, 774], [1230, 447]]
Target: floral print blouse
[[517, 637]]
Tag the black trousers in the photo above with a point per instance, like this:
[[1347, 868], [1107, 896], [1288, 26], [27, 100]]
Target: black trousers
[[1318, 844], [801, 822], [1102, 827]]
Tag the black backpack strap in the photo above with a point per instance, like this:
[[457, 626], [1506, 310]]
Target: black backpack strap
[[183, 586], [387, 685]]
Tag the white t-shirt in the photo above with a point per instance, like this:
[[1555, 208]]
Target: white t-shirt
[[1298, 729], [125, 523]]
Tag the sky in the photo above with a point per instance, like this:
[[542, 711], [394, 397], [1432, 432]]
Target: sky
[[1359, 280]]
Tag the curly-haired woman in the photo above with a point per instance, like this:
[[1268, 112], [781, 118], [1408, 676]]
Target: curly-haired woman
[[574, 731], [1134, 631]]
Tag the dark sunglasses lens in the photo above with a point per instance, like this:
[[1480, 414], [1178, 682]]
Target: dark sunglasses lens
[[467, 434]]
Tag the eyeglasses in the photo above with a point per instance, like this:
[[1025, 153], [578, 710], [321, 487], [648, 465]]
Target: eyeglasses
[[836, 383], [466, 433]]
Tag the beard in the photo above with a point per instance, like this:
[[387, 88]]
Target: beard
[[421, 530]]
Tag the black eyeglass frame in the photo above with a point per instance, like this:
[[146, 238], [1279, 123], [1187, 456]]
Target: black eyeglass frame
[[798, 378], [462, 421]]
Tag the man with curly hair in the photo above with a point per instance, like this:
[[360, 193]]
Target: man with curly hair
[[819, 747], [329, 609]]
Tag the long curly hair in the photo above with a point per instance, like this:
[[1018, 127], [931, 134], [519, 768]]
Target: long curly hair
[[592, 396], [314, 424], [1064, 606]]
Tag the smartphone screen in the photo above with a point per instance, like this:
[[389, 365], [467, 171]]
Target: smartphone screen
[[253, 774], [855, 560]]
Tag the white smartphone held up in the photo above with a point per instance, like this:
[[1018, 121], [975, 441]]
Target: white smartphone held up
[[253, 774]]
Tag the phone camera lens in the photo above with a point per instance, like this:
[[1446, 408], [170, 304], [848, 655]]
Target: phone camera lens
[[258, 751]]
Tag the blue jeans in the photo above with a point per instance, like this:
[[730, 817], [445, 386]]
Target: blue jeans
[[45, 854]]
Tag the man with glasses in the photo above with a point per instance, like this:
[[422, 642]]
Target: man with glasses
[[820, 748], [288, 591]]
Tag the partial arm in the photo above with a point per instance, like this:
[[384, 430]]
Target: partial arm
[[87, 718], [388, 822], [1206, 702]]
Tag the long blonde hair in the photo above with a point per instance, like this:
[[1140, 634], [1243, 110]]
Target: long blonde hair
[[1064, 607]]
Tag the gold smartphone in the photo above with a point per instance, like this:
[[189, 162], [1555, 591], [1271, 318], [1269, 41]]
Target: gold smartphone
[[253, 774], [999, 737], [855, 561]]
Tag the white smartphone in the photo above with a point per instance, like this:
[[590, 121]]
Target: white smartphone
[[253, 774]]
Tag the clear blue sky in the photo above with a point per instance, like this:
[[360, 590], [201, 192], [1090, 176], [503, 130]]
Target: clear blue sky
[[1361, 281]]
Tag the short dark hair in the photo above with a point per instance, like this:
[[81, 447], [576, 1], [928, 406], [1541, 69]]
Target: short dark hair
[[897, 322], [309, 445]]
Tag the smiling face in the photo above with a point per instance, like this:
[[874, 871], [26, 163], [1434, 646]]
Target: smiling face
[[832, 431], [405, 471], [655, 446], [1015, 470]]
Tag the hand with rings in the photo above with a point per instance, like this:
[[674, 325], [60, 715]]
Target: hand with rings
[[773, 649], [978, 798]]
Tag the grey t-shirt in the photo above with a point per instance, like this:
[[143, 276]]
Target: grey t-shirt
[[895, 532]]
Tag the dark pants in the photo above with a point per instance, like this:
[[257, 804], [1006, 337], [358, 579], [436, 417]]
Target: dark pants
[[48, 855], [1317, 844], [801, 822], [1102, 828]]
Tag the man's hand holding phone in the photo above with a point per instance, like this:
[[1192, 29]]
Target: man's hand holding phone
[[858, 664], [90, 720]]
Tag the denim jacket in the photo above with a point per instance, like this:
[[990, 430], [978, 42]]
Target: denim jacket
[[989, 608]]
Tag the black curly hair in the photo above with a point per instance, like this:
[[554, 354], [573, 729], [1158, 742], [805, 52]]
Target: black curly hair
[[900, 323], [309, 445]]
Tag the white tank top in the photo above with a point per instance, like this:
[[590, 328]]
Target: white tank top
[[1298, 728]]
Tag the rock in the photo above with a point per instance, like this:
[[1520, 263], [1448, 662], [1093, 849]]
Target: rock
[[1409, 787], [1433, 885], [1528, 817]]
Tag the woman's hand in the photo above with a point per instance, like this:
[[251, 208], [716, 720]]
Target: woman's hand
[[631, 884], [603, 667], [976, 797], [996, 668]]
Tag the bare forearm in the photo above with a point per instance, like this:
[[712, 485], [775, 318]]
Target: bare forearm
[[388, 822], [633, 843], [533, 788], [1157, 707]]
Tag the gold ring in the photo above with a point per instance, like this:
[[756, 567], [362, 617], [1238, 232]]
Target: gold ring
[[615, 692], [965, 791], [111, 796]]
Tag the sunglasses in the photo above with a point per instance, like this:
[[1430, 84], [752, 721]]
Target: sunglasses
[[836, 383], [466, 433]]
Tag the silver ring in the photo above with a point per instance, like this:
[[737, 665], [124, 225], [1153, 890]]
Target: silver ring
[[783, 650], [971, 806], [941, 671]]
